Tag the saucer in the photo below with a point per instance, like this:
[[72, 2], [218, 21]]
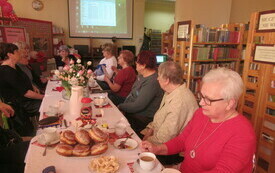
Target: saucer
[[157, 169], [44, 143], [130, 144], [103, 104]]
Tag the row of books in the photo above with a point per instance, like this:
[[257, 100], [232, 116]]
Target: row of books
[[215, 35], [199, 70], [254, 66], [214, 53], [252, 79]]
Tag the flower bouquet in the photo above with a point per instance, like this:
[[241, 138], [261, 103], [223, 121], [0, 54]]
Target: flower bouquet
[[74, 75]]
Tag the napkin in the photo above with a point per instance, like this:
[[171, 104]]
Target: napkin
[[59, 89]]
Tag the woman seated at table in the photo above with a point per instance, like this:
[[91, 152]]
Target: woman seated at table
[[64, 57], [105, 65], [39, 84], [218, 138], [176, 109], [16, 88], [144, 99], [11, 155], [124, 79]]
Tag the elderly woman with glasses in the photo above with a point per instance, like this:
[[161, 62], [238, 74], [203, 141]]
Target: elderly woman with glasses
[[218, 138]]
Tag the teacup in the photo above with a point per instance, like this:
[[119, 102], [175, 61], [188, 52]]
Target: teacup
[[120, 129], [91, 83], [100, 101], [48, 135], [53, 110], [147, 160]]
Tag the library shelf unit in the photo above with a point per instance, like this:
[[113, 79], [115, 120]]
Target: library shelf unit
[[166, 42], [155, 45], [58, 40], [258, 100], [209, 48]]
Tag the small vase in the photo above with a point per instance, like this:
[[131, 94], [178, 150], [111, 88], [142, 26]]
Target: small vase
[[66, 93]]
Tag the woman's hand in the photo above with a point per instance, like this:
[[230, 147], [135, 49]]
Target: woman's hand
[[35, 89], [6, 109], [148, 146], [106, 79], [149, 132], [156, 149], [114, 69]]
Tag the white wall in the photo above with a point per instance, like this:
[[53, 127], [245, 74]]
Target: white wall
[[159, 15]]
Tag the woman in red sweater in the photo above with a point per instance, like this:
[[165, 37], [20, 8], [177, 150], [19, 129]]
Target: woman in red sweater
[[218, 138], [124, 79]]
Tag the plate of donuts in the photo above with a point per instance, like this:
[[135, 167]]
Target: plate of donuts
[[82, 143]]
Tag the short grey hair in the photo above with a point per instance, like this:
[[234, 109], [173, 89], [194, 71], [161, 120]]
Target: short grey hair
[[232, 83], [172, 71], [63, 47], [109, 47]]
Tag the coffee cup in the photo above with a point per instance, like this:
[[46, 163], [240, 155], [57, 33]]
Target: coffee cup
[[100, 101], [120, 129], [147, 160], [53, 110], [48, 135]]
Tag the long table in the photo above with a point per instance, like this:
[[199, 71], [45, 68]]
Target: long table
[[35, 162]]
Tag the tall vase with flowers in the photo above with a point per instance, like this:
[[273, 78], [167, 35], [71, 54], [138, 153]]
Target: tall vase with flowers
[[74, 75]]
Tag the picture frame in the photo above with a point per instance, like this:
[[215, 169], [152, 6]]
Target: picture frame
[[264, 53], [11, 34], [266, 21], [184, 29]]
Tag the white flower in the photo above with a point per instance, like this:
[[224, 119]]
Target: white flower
[[73, 81], [56, 72], [89, 63], [78, 61]]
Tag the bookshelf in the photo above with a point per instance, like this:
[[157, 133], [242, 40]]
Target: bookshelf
[[155, 45], [166, 42], [209, 48], [58, 36], [258, 100]]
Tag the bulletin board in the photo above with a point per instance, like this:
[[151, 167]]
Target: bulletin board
[[38, 34], [11, 34]]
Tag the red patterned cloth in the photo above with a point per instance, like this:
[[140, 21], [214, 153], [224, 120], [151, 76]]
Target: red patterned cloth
[[130, 165]]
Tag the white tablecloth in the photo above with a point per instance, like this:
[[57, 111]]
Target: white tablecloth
[[35, 162]]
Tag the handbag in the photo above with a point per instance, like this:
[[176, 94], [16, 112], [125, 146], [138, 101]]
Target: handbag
[[9, 137]]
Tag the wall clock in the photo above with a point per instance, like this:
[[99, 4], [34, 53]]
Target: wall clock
[[37, 5]]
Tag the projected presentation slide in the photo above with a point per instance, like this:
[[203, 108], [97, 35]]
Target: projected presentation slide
[[101, 18], [98, 13]]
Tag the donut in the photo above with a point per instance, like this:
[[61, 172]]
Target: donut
[[99, 148], [81, 150], [64, 149], [82, 137], [68, 137], [97, 135]]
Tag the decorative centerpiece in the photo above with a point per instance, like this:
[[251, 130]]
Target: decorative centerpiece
[[74, 75]]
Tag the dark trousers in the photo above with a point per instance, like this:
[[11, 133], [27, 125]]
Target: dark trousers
[[12, 158], [116, 99], [138, 122], [103, 85]]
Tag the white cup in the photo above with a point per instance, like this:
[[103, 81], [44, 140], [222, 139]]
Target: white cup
[[53, 110], [48, 135], [147, 160], [120, 129], [100, 101], [91, 82]]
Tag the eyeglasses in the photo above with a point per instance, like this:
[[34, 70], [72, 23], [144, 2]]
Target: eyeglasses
[[206, 100]]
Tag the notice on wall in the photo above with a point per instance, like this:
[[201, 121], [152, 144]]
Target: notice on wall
[[266, 21], [265, 53], [13, 34]]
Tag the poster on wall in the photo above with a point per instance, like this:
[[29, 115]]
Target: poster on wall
[[40, 44], [13, 34], [266, 21], [265, 53], [183, 30]]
